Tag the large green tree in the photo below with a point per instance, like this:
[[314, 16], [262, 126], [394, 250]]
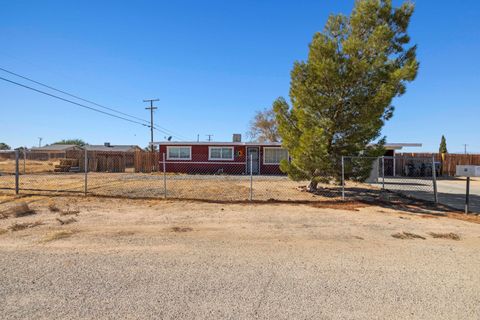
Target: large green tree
[[78, 142], [4, 146], [342, 94]]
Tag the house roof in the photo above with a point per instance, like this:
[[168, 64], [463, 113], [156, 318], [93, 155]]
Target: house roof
[[212, 143], [57, 147], [113, 147]]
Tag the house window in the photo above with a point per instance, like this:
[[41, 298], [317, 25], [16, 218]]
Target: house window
[[179, 153], [220, 153], [274, 155]]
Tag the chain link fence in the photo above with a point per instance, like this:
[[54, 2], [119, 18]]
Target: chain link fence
[[362, 178]]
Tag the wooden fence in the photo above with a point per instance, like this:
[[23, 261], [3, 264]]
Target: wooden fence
[[450, 161], [147, 162]]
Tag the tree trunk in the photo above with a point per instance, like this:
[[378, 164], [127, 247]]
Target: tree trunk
[[312, 186]]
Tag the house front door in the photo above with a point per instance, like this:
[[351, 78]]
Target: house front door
[[252, 160]]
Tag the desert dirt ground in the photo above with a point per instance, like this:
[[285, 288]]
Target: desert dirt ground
[[163, 259]]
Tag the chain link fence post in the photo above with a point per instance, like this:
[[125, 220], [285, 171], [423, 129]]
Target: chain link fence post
[[17, 173], [85, 169], [164, 178], [251, 177], [434, 180], [343, 178], [383, 172]]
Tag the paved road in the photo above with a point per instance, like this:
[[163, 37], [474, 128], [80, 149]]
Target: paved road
[[451, 192]]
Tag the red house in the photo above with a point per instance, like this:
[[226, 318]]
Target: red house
[[234, 157], [222, 157]]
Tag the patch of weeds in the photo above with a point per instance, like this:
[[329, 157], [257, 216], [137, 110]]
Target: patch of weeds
[[57, 235], [18, 210], [407, 235], [69, 212], [25, 225], [181, 229], [125, 233], [53, 207], [66, 221], [450, 235], [2, 231]]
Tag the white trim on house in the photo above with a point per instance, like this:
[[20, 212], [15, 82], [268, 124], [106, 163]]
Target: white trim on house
[[221, 147], [271, 163], [179, 147], [203, 162]]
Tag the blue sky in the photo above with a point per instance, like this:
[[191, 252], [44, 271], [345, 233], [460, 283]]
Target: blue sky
[[212, 64]]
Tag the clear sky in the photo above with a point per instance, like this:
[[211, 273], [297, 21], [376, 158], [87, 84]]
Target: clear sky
[[212, 64]]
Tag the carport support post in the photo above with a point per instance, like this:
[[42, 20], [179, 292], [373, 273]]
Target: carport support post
[[251, 177], [17, 173], [343, 178], [164, 178], [467, 196], [434, 178], [85, 169]]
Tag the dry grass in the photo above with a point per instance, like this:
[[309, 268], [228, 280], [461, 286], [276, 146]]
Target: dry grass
[[57, 235], [2, 231], [17, 210], [25, 225], [407, 235], [66, 221], [181, 229], [450, 235], [31, 166]]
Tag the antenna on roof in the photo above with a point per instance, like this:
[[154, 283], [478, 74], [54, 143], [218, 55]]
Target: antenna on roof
[[209, 137]]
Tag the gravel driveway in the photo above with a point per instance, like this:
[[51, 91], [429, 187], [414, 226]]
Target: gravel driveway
[[180, 260]]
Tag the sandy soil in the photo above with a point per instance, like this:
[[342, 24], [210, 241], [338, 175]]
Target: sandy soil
[[183, 260]]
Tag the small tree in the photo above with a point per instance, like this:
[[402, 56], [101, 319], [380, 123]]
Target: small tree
[[263, 127], [443, 145], [4, 146], [78, 142], [341, 95]]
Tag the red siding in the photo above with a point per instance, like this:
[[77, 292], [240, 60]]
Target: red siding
[[202, 165]]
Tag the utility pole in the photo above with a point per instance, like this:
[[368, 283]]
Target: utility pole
[[40, 141], [209, 137], [151, 108]]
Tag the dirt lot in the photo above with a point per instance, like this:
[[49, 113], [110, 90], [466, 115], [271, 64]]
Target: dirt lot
[[115, 258], [30, 166]]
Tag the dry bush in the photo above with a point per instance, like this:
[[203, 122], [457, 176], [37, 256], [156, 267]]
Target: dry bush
[[53, 207], [181, 229], [451, 235], [2, 231], [66, 221], [24, 225], [57, 235], [407, 235], [17, 210]]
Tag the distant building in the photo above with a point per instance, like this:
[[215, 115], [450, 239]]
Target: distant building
[[128, 151], [53, 151]]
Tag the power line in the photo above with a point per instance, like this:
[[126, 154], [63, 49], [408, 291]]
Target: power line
[[72, 95], [72, 102], [160, 129]]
